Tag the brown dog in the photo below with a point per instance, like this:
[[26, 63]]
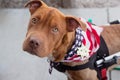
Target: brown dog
[[51, 34]]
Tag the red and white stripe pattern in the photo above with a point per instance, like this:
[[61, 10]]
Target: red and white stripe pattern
[[91, 39]]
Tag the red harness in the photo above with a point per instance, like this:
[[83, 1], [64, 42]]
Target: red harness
[[104, 74]]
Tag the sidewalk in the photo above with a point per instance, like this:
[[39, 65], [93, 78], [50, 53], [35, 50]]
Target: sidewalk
[[18, 65]]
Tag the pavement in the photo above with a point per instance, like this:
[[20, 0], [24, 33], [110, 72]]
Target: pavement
[[15, 64]]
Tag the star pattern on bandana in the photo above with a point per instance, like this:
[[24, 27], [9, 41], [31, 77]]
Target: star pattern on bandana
[[83, 52]]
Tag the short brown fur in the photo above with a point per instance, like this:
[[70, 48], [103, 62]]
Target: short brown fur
[[53, 33]]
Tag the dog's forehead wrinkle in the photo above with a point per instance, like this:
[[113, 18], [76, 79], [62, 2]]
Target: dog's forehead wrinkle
[[52, 21]]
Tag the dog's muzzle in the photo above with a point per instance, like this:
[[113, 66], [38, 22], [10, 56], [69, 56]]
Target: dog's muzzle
[[31, 45]]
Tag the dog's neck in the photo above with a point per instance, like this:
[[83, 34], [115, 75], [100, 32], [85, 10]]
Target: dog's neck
[[70, 40], [59, 54], [69, 46]]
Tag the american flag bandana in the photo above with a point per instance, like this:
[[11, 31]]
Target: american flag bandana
[[86, 43]]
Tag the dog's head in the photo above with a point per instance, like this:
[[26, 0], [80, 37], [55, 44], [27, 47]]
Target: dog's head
[[49, 30]]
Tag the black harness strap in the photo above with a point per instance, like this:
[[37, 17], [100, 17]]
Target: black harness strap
[[100, 54], [103, 50], [62, 68]]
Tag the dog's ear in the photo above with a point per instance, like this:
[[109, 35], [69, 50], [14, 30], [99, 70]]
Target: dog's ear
[[73, 23], [34, 5]]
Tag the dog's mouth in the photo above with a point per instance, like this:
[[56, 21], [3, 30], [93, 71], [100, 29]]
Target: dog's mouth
[[40, 51], [31, 51], [37, 46]]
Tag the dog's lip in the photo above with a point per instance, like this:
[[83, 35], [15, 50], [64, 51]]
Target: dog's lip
[[33, 52]]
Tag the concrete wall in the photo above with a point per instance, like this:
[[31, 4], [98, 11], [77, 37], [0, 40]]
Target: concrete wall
[[90, 3], [63, 3], [12, 3]]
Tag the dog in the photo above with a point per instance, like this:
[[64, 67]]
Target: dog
[[51, 34]]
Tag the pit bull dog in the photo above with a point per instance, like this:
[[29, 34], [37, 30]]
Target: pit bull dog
[[52, 34]]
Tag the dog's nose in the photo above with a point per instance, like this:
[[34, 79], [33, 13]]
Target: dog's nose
[[34, 43]]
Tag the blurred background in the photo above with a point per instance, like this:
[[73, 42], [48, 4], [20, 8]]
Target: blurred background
[[15, 64], [64, 3]]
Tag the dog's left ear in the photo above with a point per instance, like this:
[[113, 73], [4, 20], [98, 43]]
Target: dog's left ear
[[34, 5], [73, 23]]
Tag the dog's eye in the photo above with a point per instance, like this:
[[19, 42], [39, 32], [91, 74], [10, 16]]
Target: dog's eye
[[35, 20], [55, 29]]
